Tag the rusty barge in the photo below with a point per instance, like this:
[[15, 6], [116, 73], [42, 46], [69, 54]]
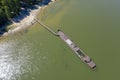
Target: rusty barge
[[86, 59]]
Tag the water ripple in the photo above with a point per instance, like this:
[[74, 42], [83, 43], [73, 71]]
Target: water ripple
[[13, 63]]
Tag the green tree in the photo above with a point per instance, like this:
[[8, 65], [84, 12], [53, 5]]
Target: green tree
[[3, 17], [17, 6], [7, 12]]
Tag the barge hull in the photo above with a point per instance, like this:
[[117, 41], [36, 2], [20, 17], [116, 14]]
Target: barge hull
[[86, 59]]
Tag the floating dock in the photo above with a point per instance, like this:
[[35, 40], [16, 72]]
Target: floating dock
[[86, 59]]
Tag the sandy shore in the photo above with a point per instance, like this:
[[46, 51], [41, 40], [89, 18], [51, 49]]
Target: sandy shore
[[25, 22]]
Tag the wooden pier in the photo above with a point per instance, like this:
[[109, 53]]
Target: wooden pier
[[86, 59], [46, 27]]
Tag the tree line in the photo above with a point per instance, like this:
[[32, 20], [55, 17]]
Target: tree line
[[10, 8]]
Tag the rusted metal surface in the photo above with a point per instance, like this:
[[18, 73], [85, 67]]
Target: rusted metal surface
[[86, 59]]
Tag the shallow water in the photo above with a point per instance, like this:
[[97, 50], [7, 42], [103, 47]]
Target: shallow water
[[38, 55]]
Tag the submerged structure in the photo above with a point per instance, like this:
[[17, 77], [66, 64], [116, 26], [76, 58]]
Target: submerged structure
[[86, 59]]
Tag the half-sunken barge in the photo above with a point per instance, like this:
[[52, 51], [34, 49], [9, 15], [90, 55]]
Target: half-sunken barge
[[86, 59]]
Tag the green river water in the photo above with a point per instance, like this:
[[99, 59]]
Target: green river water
[[35, 54]]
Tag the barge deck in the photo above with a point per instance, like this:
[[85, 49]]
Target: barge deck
[[86, 59]]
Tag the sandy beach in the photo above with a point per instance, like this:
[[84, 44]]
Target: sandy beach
[[26, 22]]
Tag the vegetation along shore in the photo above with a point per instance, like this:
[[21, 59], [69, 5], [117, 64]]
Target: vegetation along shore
[[16, 15]]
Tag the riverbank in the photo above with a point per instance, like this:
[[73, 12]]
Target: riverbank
[[21, 23]]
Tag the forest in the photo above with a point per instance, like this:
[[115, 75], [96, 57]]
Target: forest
[[11, 8]]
